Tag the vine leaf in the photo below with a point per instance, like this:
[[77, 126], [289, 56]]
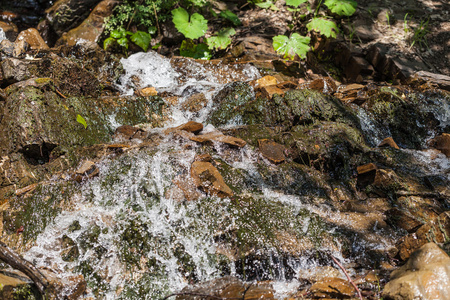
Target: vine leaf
[[222, 39], [342, 7], [198, 51], [142, 39], [295, 3], [325, 27], [82, 121], [288, 47], [230, 16], [193, 28], [108, 42]]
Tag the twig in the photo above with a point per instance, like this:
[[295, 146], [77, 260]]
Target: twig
[[59, 93], [348, 277]]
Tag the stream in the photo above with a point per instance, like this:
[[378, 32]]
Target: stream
[[132, 235]]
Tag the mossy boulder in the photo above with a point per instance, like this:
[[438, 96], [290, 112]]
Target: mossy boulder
[[237, 105]]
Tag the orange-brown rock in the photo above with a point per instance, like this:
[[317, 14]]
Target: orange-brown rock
[[271, 150], [190, 126], [264, 81], [91, 28], [442, 143], [332, 287], [366, 174], [218, 136], [436, 230], [147, 92], [426, 275], [403, 219], [88, 169], [208, 178], [128, 132], [32, 37], [270, 90], [188, 188], [388, 142]]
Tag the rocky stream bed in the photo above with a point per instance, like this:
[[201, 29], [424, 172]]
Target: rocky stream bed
[[148, 177]]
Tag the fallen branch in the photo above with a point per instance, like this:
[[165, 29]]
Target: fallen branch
[[348, 277], [17, 262]]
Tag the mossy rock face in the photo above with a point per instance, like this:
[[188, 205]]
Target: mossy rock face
[[409, 118], [37, 120], [237, 105]]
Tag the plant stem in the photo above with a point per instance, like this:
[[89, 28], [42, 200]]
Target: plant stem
[[348, 277]]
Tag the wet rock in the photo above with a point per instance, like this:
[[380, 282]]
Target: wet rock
[[190, 126], [236, 104], [15, 70], [217, 136], [207, 177], [195, 102], [69, 250], [70, 287], [90, 30], [442, 81], [270, 90], [325, 85], [350, 93], [437, 230], [188, 188], [87, 170], [128, 132], [403, 219], [264, 81], [388, 142], [146, 92], [442, 143], [228, 287], [11, 287], [6, 49], [33, 39], [10, 30], [274, 152], [332, 288], [67, 14], [366, 174], [318, 274], [426, 275]]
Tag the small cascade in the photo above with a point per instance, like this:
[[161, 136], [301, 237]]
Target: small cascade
[[131, 237]]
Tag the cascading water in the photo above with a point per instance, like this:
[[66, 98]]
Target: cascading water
[[130, 237]]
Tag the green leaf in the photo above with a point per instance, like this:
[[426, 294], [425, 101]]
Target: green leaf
[[325, 27], [82, 121], [264, 4], [230, 16], [295, 3], [108, 42], [342, 7], [142, 39], [123, 42], [118, 33], [222, 40], [193, 28], [288, 47], [190, 49]]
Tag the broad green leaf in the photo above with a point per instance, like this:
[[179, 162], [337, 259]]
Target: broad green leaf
[[264, 4], [229, 15], [325, 27], [123, 42], [108, 42], [222, 40], [295, 3], [288, 47], [118, 33], [342, 7], [82, 121], [193, 28], [190, 49], [142, 39]]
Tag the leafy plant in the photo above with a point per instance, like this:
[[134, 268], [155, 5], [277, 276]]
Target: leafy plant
[[191, 27], [121, 36], [230, 16], [222, 39], [326, 27], [288, 47], [198, 51], [420, 34], [341, 7]]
